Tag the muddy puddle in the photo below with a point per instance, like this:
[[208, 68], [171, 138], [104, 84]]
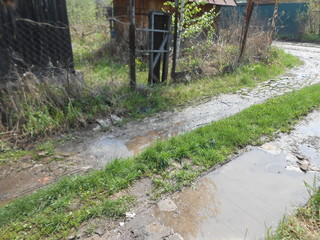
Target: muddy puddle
[[95, 149], [239, 201], [242, 200]]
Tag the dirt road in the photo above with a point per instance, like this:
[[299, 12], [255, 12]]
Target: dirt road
[[241, 200], [94, 150]]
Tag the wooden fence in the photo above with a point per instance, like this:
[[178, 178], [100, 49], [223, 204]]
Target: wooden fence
[[34, 36]]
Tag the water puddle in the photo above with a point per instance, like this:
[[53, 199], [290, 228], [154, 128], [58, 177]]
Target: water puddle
[[137, 144], [239, 201]]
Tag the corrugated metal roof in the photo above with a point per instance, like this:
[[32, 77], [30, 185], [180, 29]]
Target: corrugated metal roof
[[273, 1], [218, 2]]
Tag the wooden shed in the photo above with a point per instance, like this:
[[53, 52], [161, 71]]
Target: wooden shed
[[34, 35], [143, 7]]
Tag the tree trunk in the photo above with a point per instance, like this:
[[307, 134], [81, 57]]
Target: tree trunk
[[274, 22], [182, 4]]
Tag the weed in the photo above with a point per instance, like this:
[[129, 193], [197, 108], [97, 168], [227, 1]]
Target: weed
[[51, 213], [305, 223]]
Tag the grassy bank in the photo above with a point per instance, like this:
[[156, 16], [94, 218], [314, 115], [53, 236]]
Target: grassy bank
[[42, 109], [305, 224], [172, 164]]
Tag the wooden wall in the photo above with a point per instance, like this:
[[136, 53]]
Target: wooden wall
[[34, 33], [121, 8]]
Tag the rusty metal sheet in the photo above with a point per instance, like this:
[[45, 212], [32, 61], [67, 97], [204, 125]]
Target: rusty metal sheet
[[231, 3], [218, 2]]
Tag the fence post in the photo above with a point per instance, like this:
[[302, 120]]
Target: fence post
[[175, 41], [132, 37], [250, 7]]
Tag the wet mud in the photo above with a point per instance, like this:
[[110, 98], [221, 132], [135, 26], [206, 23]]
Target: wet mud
[[241, 200], [94, 149]]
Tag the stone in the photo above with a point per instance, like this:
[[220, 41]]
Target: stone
[[26, 165], [175, 236], [100, 232], [167, 205], [42, 154], [130, 215], [156, 230], [104, 122], [115, 118], [304, 165], [300, 157]]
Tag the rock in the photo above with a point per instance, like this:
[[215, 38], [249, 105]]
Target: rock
[[156, 230], [26, 159], [42, 154], [104, 122], [167, 205], [176, 236], [176, 165], [304, 165], [115, 118], [130, 215], [300, 157], [72, 237], [121, 224], [26, 165], [100, 232], [97, 128]]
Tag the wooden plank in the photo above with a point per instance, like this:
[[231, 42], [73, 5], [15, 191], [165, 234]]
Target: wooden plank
[[152, 30], [165, 66], [152, 51], [161, 50]]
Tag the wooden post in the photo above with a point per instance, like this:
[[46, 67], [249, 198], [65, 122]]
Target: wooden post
[[274, 22], [166, 48], [250, 7], [132, 38], [175, 40]]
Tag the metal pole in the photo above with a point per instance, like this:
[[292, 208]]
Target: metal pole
[[175, 40], [132, 38]]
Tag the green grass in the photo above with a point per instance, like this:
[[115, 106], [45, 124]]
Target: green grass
[[305, 224], [309, 38], [52, 108], [313, 38], [51, 213], [166, 97]]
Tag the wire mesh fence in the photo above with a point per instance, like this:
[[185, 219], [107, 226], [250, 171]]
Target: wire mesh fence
[[35, 37]]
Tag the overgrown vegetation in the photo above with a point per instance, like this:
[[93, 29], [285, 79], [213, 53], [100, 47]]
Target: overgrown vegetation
[[38, 108], [305, 224], [173, 163], [309, 22], [42, 108]]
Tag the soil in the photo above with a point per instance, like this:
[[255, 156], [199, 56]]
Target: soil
[[92, 149]]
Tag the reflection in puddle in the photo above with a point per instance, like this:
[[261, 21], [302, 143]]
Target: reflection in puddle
[[107, 149], [240, 200], [140, 142], [194, 208]]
